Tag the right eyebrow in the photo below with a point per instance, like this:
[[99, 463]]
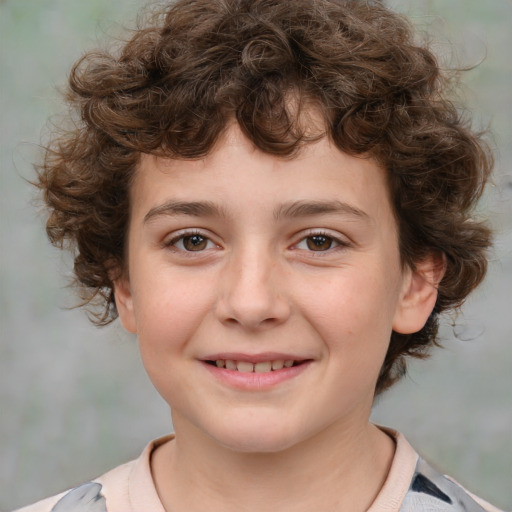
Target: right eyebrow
[[193, 208]]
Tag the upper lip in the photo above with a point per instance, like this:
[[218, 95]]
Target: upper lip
[[253, 358]]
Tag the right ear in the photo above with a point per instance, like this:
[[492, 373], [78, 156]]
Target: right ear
[[124, 303]]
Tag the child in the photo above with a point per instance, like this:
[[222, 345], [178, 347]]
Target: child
[[276, 197]]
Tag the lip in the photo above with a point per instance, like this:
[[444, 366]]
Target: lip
[[253, 381]]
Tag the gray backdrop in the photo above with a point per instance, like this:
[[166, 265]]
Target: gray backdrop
[[74, 400]]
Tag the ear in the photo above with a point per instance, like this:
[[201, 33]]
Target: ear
[[124, 303], [419, 294]]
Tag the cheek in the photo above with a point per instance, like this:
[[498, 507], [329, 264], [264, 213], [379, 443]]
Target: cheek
[[353, 314], [350, 300], [168, 319], [169, 312]]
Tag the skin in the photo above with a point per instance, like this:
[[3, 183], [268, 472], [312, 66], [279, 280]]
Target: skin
[[259, 284]]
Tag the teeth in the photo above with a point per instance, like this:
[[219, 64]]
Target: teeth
[[263, 367], [246, 367], [277, 365], [230, 365]]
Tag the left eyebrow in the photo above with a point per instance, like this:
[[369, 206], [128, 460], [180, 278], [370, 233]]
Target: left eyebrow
[[193, 208], [312, 208]]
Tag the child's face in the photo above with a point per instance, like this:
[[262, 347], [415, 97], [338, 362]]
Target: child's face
[[249, 258]]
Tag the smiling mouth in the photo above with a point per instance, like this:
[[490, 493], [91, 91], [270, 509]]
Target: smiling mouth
[[248, 367]]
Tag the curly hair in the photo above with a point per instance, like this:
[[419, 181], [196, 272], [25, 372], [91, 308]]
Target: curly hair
[[195, 65]]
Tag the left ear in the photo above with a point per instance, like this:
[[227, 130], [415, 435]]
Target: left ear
[[419, 294]]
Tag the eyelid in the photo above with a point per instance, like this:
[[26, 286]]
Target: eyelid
[[171, 239], [341, 241]]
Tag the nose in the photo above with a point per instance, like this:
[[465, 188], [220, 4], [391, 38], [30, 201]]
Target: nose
[[250, 292]]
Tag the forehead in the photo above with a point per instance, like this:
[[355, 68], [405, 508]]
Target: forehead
[[240, 177]]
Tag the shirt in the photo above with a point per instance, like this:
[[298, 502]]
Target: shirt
[[412, 485]]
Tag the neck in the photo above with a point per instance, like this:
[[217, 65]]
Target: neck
[[328, 472]]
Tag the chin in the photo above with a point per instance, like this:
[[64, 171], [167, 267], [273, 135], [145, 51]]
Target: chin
[[257, 438], [257, 444]]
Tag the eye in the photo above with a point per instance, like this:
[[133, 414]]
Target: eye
[[194, 242], [319, 242]]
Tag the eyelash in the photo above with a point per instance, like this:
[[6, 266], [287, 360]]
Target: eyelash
[[171, 244], [339, 244]]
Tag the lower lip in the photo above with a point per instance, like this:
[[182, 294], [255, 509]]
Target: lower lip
[[253, 381]]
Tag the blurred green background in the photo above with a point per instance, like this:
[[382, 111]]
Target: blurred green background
[[74, 400]]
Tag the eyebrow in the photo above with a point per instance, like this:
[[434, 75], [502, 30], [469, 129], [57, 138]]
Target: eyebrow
[[312, 208], [287, 210], [193, 208]]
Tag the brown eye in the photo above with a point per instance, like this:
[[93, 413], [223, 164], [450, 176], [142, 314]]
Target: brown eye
[[194, 242], [319, 243]]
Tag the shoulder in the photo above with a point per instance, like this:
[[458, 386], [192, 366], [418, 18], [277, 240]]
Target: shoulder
[[432, 490], [413, 485], [87, 497], [123, 489]]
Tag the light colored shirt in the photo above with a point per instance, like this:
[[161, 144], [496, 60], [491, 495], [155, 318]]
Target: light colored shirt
[[412, 485]]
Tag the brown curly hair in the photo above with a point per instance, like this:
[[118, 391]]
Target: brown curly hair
[[195, 65]]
